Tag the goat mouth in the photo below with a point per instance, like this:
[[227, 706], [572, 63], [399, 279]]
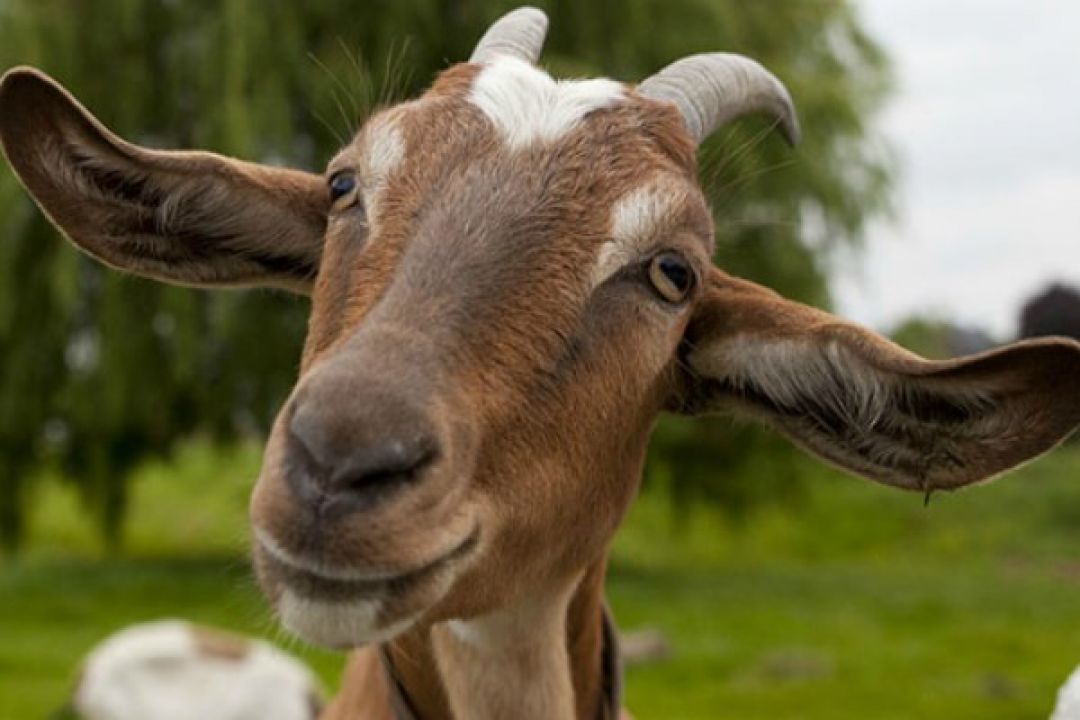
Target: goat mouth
[[316, 582]]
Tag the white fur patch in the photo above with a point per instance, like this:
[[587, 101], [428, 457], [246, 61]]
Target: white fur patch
[[156, 670], [468, 632], [336, 624], [788, 371], [384, 150], [528, 106], [822, 384], [635, 219]]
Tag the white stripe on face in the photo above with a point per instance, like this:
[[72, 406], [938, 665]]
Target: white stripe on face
[[636, 218], [384, 151], [526, 105]]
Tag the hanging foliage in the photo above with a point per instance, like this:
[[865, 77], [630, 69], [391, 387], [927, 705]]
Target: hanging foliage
[[100, 370]]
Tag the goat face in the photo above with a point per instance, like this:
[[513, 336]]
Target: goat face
[[509, 267]]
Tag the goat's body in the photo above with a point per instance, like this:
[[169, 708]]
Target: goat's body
[[365, 689], [543, 659], [465, 665]]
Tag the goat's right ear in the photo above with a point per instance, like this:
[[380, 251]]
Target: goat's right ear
[[189, 218], [868, 406]]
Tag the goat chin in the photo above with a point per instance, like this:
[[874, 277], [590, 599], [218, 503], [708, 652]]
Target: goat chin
[[340, 625]]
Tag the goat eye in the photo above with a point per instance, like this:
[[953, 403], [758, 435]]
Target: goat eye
[[341, 184], [672, 277]]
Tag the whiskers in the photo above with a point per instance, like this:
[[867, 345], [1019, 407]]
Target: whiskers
[[729, 170], [338, 89], [357, 90], [397, 77], [717, 158]]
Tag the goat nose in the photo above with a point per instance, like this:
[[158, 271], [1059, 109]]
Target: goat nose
[[347, 464]]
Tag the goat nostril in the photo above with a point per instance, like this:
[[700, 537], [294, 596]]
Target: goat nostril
[[347, 467], [384, 466]]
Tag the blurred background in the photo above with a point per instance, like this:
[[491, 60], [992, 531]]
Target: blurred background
[[935, 198]]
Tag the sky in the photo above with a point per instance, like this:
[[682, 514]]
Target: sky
[[986, 122]]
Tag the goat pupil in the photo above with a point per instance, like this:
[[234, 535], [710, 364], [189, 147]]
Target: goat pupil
[[341, 185], [675, 270]]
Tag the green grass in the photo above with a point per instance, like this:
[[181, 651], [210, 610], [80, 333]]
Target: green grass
[[859, 604]]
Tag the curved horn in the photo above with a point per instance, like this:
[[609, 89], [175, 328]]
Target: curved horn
[[713, 88], [519, 33]]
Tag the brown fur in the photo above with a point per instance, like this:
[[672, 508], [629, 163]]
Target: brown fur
[[463, 307], [190, 218], [902, 420]]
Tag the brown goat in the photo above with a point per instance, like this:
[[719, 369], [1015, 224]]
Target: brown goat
[[510, 279]]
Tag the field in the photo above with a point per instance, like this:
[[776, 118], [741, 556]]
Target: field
[[859, 603]]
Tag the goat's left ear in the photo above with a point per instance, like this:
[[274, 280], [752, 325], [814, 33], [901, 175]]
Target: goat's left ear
[[869, 406], [191, 218]]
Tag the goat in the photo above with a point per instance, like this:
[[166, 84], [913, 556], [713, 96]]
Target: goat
[[174, 670], [510, 278]]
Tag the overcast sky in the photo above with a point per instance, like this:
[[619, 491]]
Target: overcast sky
[[986, 118]]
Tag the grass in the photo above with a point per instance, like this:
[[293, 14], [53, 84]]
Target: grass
[[859, 604]]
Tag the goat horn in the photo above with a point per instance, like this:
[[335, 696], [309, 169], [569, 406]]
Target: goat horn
[[713, 88], [519, 33]]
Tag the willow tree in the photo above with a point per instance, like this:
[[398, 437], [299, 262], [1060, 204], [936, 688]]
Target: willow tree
[[99, 370]]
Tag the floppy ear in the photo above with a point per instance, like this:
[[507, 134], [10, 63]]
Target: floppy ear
[[190, 218], [868, 406]]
